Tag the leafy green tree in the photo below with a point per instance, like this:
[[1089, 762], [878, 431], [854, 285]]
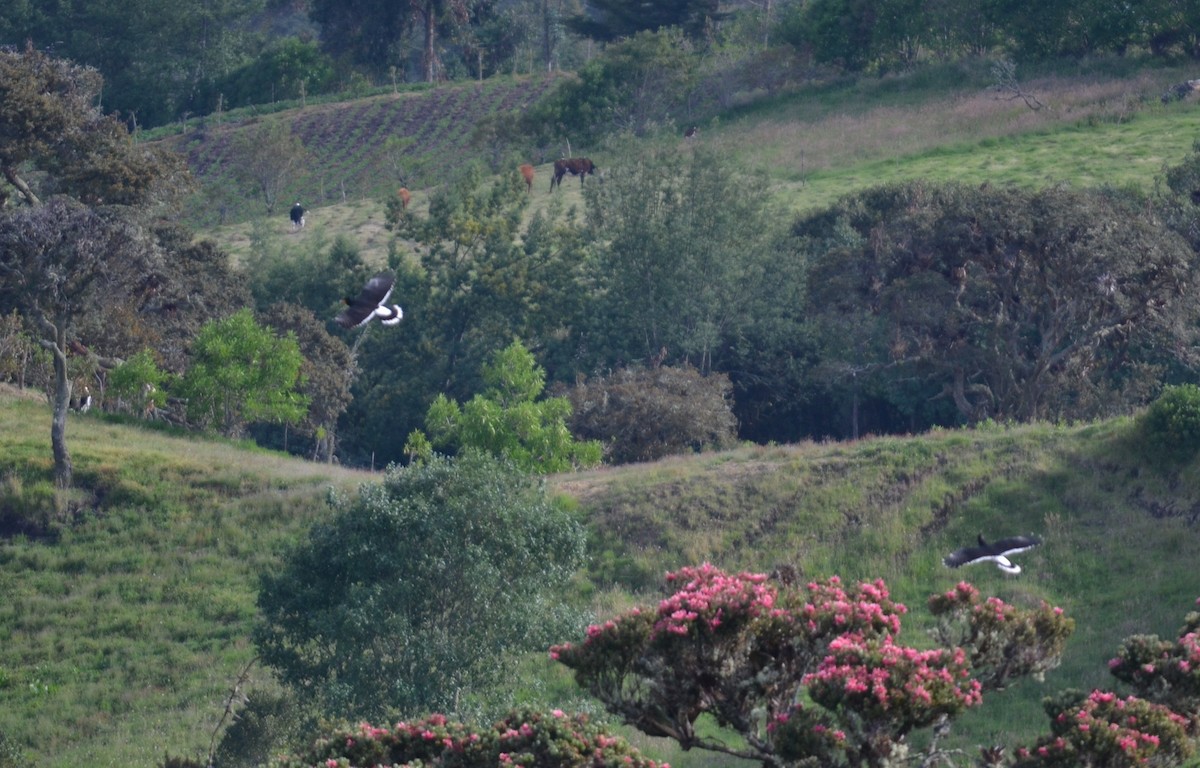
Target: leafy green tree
[[267, 156], [326, 374], [49, 123], [609, 20], [686, 257], [137, 384], [635, 85], [242, 372], [472, 286], [1008, 303], [508, 420], [56, 260], [417, 593]]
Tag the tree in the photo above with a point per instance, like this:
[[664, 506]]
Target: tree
[[326, 374], [508, 420], [267, 157], [635, 85], [643, 414], [609, 20], [58, 261], [474, 286], [1155, 726], [810, 674], [242, 372], [1011, 304], [415, 595], [1164, 671], [686, 257], [49, 122]]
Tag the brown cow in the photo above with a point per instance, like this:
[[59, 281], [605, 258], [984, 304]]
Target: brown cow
[[576, 166], [405, 196], [527, 173]]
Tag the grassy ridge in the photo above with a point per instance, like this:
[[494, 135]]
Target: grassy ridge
[[119, 641]]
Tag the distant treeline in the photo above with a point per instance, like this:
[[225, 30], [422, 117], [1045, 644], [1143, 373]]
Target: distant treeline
[[164, 60]]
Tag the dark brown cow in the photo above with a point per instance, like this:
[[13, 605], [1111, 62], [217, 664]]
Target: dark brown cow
[[576, 166], [527, 173]]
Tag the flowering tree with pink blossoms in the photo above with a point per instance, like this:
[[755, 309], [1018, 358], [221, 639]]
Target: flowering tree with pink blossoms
[[804, 673], [523, 739], [1154, 727], [1005, 642], [1163, 671], [1103, 730]]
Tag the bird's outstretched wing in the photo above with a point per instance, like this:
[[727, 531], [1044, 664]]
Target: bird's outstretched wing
[[361, 308]]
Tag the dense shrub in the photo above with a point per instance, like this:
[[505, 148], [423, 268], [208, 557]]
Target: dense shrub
[[1164, 671], [642, 414], [414, 594], [522, 739], [1172, 422], [266, 725]]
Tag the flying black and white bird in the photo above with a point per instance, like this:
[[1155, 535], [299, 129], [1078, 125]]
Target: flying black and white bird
[[371, 302], [996, 552]]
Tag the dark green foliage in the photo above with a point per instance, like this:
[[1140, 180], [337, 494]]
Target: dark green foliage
[[242, 372], [326, 374], [265, 726], [289, 69], [636, 85], [609, 20], [1172, 423], [475, 289], [414, 596], [1009, 303], [686, 256], [648, 413]]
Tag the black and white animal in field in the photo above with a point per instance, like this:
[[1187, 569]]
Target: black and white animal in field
[[371, 302], [997, 552], [297, 216], [576, 166], [84, 403]]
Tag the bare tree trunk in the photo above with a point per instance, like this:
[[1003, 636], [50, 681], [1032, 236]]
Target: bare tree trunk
[[430, 31], [62, 403]]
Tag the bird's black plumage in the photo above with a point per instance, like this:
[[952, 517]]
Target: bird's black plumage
[[997, 552], [371, 302]]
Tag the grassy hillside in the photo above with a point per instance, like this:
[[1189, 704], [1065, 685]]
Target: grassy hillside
[[119, 641], [814, 142]]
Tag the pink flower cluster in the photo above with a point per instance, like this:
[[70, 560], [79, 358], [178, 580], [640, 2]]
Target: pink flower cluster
[[522, 740], [878, 679], [866, 608], [1114, 731], [711, 596]]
